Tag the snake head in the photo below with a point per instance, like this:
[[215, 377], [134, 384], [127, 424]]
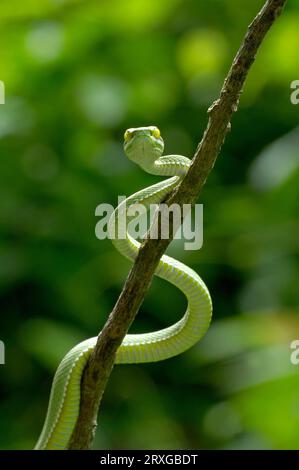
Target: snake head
[[143, 145]]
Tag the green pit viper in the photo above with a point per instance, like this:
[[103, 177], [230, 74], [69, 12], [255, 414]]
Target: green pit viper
[[144, 146]]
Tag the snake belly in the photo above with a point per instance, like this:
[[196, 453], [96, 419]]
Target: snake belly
[[64, 402]]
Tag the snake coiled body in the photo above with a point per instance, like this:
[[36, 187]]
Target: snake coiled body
[[144, 146]]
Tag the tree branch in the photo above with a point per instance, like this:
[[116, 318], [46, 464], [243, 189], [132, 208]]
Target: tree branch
[[101, 362]]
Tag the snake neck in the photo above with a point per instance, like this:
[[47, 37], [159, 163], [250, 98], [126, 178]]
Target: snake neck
[[168, 165]]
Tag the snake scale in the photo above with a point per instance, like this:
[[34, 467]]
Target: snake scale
[[144, 146]]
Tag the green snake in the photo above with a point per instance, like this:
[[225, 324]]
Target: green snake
[[144, 146]]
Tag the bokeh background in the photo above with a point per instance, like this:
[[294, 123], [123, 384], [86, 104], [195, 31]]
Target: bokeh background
[[77, 74]]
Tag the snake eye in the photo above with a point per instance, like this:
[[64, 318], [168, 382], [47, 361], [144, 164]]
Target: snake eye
[[128, 135], [156, 133]]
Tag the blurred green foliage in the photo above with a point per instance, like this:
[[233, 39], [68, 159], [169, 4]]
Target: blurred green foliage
[[77, 74]]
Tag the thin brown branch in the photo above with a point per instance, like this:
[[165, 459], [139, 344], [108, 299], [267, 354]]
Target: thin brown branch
[[101, 362]]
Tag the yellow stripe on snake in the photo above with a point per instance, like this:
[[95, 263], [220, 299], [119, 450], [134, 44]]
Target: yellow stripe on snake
[[144, 146]]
